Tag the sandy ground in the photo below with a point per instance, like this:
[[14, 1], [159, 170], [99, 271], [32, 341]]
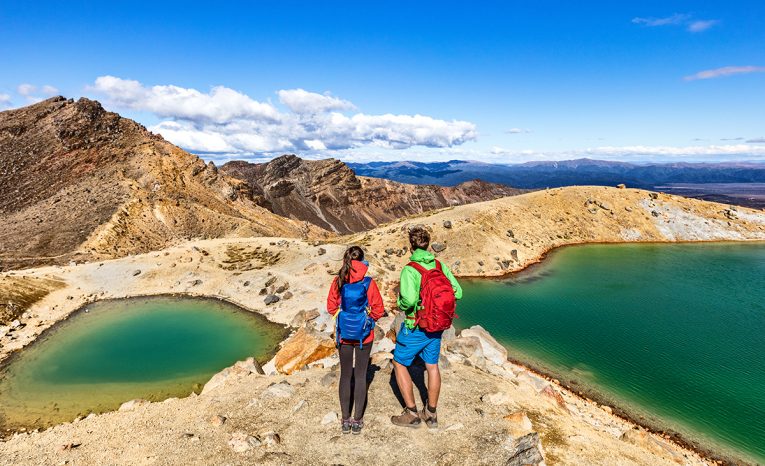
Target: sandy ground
[[485, 239]]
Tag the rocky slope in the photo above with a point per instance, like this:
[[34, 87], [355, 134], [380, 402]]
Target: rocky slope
[[328, 193], [485, 399], [81, 183]]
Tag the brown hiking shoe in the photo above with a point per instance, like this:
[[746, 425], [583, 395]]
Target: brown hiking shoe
[[429, 418], [407, 418]]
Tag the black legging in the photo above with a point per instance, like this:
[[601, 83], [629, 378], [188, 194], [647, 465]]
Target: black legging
[[359, 373]]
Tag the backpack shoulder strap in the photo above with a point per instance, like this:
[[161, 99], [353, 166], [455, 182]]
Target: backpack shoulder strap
[[438, 266], [417, 267], [366, 281]]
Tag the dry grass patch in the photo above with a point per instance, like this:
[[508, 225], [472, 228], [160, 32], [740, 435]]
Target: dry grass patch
[[17, 294]]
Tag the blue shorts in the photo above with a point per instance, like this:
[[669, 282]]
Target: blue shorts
[[410, 343]]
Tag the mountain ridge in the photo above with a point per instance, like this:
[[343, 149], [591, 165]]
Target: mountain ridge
[[328, 193]]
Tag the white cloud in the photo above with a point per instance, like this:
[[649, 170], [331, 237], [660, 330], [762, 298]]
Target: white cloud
[[518, 131], [302, 101], [26, 89], [725, 71], [49, 90], [220, 105], [5, 102], [675, 19], [227, 121], [701, 25], [756, 141]]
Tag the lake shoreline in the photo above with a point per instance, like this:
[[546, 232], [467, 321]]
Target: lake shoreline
[[12, 357], [599, 397]]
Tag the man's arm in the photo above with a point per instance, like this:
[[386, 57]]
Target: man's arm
[[455, 284]]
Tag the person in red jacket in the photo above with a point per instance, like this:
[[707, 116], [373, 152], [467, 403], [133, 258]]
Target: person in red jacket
[[353, 270]]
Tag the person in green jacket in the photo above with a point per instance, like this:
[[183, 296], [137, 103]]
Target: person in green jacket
[[412, 342]]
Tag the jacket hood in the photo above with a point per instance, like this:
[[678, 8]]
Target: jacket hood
[[358, 271], [422, 256]]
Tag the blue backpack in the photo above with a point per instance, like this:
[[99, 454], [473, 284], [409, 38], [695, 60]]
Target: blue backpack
[[353, 321]]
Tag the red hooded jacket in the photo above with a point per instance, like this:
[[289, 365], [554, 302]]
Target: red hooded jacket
[[358, 271]]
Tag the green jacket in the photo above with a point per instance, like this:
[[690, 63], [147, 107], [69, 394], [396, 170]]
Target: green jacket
[[409, 293]]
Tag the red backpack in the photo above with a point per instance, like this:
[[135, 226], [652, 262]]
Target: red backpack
[[436, 298]]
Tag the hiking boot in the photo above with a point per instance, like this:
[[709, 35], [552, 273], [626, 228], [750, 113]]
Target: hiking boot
[[356, 426], [429, 418], [346, 426], [408, 418]]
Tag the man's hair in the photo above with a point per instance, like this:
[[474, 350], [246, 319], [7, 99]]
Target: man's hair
[[419, 238]]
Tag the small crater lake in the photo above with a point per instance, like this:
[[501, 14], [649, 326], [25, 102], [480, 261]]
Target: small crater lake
[[673, 333], [113, 351]]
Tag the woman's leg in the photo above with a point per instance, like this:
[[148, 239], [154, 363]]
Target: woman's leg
[[360, 378], [346, 371]]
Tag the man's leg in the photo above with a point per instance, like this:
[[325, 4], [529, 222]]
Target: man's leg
[[405, 385], [434, 384]]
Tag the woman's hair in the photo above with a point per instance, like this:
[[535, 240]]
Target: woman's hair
[[419, 238], [353, 253]]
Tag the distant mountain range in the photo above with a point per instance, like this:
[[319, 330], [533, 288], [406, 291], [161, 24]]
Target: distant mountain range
[[535, 175], [741, 183]]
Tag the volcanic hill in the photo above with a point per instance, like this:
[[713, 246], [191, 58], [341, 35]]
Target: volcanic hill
[[328, 193]]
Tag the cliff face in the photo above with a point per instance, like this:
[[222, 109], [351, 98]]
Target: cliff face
[[328, 193], [82, 183]]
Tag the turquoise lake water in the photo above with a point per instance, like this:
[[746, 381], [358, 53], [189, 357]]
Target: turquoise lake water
[[674, 333], [152, 348]]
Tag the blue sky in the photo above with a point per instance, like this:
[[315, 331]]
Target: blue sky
[[502, 82]]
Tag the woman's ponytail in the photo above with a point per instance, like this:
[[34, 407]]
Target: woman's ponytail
[[353, 253]]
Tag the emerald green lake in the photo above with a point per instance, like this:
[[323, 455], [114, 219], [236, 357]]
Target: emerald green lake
[[117, 350], [673, 333]]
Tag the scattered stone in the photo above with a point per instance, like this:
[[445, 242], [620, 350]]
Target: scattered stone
[[281, 289], [133, 404], [447, 224], [492, 350], [525, 451], [649, 442], [270, 439], [381, 358], [621, 186], [303, 348], [328, 379], [329, 418], [653, 195], [136, 273], [607, 409], [514, 254], [241, 442], [300, 405], [218, 420], [438, 247], [496, 398], [271, 299], [510, 234], [654, 213], [69, 446], [246, 283], [321, 251], [390, 251], [287, 295], [628, 208], [279, 390], [553, 395], [270, 282], [196, 282], [519, 423], [16, 324]]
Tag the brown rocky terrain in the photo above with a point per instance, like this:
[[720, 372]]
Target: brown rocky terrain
[[328, 193], [80, 183], [490, 408]]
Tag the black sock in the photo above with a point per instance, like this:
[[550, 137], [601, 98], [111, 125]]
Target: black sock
[[431, 409], [412, 409]]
